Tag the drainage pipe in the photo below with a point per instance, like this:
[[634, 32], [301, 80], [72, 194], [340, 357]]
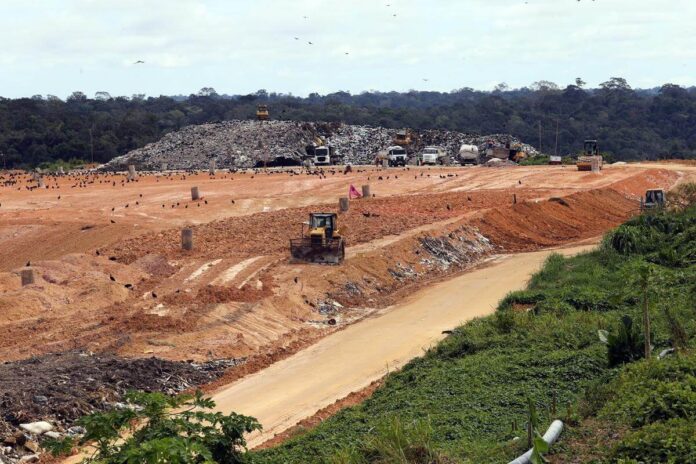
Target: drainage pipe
[[550, 437]]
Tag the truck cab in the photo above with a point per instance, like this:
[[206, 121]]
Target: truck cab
[[433, 156], [397, 156]]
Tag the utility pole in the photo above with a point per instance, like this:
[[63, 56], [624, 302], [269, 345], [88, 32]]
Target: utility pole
[[556, 150], [540, 149], [4, 163], [91, 142]]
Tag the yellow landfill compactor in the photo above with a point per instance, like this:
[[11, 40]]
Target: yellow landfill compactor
[[262, 112], [323, 243], [591, 160]]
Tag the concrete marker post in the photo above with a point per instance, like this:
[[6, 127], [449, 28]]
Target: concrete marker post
[[132, 175], [343, 204], [195, 194], [213, 166], [366, 191], [27, 277], [187, 239]]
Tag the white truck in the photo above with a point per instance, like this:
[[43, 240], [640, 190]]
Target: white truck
[[433, 156], [397, 156], [468, 154]]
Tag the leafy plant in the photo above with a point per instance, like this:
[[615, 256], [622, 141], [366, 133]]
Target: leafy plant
[[670, 442], [625, 344], [157, 428]]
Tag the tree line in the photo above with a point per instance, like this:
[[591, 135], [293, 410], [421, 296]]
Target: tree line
[[630, 124]]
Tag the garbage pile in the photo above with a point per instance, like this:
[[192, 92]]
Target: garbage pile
[[41, 397], [248, 144]]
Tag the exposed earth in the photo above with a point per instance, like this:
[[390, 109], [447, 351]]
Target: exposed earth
[[111, 278]]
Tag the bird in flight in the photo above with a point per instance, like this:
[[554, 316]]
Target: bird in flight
[[139, 62], [297, 38], [425, 80], [310, 43]]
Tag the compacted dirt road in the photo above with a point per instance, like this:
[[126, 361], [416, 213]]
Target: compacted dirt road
[[349, 360]]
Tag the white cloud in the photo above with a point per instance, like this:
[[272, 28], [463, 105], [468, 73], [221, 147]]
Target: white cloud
[[240, 45]]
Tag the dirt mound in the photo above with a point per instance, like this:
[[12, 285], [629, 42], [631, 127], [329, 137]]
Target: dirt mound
[[270, 232], [530, 225], [636, 185], [60, 388]]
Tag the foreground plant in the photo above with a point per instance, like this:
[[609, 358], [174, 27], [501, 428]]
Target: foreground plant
[[156, 428]]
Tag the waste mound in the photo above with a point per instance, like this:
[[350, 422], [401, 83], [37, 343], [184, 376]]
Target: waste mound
[[246, 144]]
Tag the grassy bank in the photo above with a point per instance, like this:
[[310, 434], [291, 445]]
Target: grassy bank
[[467, 400]]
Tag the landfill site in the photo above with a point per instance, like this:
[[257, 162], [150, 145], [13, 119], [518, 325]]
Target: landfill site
[[207, 257]]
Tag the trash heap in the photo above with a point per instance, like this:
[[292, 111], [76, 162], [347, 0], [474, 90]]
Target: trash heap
[[42, 397], [247, 144]]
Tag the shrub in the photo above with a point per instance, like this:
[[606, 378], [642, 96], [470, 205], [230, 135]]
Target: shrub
[[150, 433], [626, 344], [394, 442], [671, 442]]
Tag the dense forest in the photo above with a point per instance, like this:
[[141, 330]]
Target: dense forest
[[629, 123]]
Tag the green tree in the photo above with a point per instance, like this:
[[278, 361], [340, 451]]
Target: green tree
[[156, 428]]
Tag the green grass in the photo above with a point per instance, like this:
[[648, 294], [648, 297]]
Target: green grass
[[474, 385]]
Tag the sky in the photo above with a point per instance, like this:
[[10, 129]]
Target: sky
[[239, 46]]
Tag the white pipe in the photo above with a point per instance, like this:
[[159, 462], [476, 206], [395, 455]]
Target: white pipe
[[550, 437]]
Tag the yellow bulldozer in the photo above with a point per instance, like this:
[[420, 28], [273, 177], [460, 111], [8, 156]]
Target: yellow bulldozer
[[323, 242], [262, 112]]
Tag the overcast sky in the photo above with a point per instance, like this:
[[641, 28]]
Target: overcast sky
[[240, 46]]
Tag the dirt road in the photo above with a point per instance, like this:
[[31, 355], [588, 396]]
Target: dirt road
[[349, 360]]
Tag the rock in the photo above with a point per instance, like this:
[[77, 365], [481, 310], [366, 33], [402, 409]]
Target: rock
[[10, 440], [40, 399], [29, 458], [36, 428], [32, 446], [77, 430], [54, 435]]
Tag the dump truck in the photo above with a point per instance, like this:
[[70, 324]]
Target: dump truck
[[323, 242], [397, 156], [590, 160], [321, 153], [653, 199], [434, 156], [468, 154], [262, 112]]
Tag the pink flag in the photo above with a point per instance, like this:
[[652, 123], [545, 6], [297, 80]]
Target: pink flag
[[353, 193]]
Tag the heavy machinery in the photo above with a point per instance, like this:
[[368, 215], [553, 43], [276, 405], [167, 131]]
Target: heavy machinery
[[590, 160], [320, 153], [468, 154], [262, 112], [654, 199], [403, 138], [434, 156], [323, 243], [397, 156]]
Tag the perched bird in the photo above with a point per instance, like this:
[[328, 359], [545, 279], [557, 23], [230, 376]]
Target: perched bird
[[112, 278], [28, 263]]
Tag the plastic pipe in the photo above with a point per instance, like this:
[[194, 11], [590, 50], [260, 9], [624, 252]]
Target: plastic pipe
[[550, 437]]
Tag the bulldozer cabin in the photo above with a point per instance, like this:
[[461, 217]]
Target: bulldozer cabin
[[322, 244]]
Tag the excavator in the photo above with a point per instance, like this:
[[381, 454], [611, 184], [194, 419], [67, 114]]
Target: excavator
[[323, 242], [262, 112]]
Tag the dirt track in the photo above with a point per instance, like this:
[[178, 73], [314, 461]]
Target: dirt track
[[297, 387]]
